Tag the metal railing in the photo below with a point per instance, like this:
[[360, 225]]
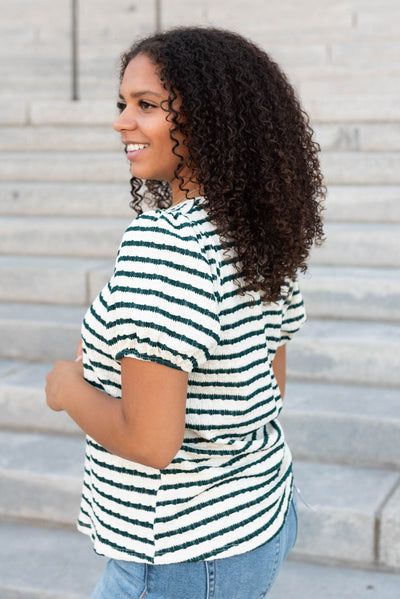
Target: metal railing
[[75, 42], [74, 49]]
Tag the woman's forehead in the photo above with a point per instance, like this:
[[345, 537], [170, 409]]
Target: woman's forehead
[[141, 76]]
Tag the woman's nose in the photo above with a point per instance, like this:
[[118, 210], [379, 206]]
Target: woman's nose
[[124, 121]]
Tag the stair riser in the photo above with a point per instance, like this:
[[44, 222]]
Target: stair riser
[[354, 168], [357, 300], [60, 139], [324, 298], [94, 167], [359, 247], [336, 439], [80, 239], [344, 361], [36, 498], [25, 409], [66, 199], [339, 168], [309, 359], [311, 437], [383, 137], [330, 534], [51, 285], [101, 239], [360, 204], [389, 547], [38, 341], [363, 137]]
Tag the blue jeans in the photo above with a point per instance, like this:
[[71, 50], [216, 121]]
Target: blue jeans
[[246, 576]]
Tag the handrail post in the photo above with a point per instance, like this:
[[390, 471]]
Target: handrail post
[[74, 52], [158, 15]]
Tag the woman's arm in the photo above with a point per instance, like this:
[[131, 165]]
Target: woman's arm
[[146, 425], [279, 368]]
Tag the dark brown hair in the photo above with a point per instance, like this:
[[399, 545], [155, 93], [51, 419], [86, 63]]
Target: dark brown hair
[[250, 149]]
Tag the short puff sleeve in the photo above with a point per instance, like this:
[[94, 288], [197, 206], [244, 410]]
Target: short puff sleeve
[[163, 307], [293, 312]]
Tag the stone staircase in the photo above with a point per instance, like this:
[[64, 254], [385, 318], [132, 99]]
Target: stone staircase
[[64, 198]]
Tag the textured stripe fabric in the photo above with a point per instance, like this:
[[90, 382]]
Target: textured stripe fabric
[[172, 300]]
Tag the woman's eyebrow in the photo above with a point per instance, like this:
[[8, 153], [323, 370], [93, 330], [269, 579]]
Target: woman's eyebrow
[[141, 93]]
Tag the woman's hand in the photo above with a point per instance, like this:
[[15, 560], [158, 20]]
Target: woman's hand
[[79, 352], [60, 381]]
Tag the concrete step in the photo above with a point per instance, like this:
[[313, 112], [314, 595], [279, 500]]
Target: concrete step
[[41, 480], [85, 237], [347, 80], [352, 293], [45, 563], [360, 168], [100, 112], [61, 139], [363, 203], [364, 137], [358, 426], [328, 582], [331, 108], [341, 107], [40, 333], [355, 203], [329, 292], [343, 168], [324, 350], [326, 423], [340, 352], [107, 167], [347, 244], [66, 199], [40, 477], [276, 18], [348, 511], [13, 113], [23, 403], [72, 281], [388, 542], [359, 244], [355, 136]]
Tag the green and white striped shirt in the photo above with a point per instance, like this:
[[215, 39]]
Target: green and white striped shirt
[[172, 300]]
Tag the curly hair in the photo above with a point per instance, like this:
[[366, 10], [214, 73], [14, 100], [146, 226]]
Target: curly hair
[[250, 149]]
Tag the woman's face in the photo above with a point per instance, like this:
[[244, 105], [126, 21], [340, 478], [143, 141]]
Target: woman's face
[[144, 127]]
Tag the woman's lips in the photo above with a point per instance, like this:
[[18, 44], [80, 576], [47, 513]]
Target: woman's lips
[[133, 154], [133, 150]]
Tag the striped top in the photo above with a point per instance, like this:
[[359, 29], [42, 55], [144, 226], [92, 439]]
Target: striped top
[[172, 300]]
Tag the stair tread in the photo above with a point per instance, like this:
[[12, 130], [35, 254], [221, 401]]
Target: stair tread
[[61, 457], [343, 401], [55, 467], [329, 582], [344, 202], [381, 333], [45, 563], [64, 315]]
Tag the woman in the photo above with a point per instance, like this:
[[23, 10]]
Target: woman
[[188, 480]]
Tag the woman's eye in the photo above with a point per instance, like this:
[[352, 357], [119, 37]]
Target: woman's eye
[[121, 107], [145, 105]]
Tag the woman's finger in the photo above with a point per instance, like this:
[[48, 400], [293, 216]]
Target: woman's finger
[[78, 355]]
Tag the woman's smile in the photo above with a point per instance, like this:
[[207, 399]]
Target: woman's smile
[[134, 149], [145, 127]]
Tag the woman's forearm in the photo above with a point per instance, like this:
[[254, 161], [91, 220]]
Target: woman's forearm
[[99, 415]]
